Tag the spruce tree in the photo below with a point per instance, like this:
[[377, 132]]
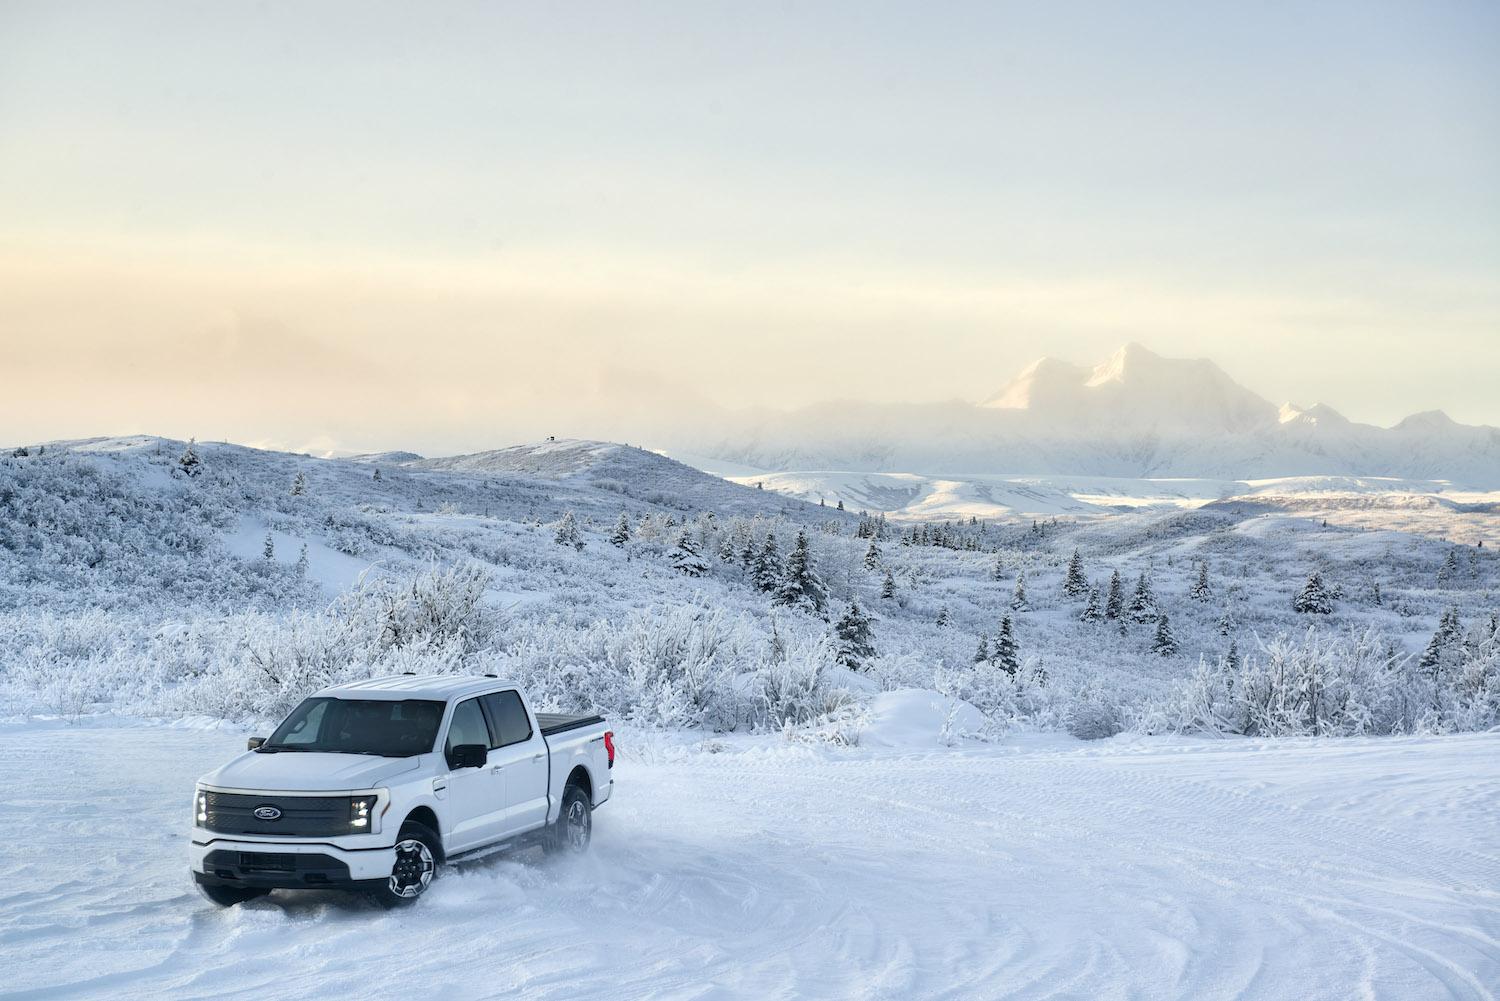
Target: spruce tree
[[1232, 658], [1114, 602], [888, 589], [1449, 569], [299, 485], [768, 570], [1443, 649], [726, 549], [376, 477], [1314, 598], [998, 573], [943, 618], [621, 534], [852, 633], [567, 532], [982, 652], [1375, 596], [1201, 591], [1163, 643], [1143, 601], [872, 556], [1076, 582], [1007, 657], [189, 462], [747, 553], [302, 563], [1226, 623], [800, 586], [268, 551], [685, 558], [1092, 611], [1018, 602]]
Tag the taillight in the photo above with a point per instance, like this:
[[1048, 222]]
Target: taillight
[[609, 746]]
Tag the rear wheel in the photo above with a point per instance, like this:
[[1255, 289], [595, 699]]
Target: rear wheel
[[417, 852], [574, 827], [228, 896]]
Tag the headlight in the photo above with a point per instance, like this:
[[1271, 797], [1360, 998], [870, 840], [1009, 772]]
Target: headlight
[[200, 808], [360, 809]]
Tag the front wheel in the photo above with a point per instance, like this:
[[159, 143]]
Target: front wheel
[[414, 866], [574, 827]]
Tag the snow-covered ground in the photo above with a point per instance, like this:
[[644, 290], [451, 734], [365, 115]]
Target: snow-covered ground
[[754, 867]]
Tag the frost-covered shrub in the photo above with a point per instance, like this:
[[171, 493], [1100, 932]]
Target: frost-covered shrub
[[1328, 684]]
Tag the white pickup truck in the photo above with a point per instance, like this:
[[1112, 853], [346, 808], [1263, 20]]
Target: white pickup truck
[[371, 785]]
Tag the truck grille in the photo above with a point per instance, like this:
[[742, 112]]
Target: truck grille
[[301, 816]]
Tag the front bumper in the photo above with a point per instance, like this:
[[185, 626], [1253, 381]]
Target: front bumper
[[293, 866]]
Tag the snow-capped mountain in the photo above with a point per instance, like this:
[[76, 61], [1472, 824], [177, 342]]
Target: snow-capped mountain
[[1137, 414]]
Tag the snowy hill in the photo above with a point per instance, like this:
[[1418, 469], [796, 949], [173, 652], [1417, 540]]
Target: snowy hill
[[1135, 415]]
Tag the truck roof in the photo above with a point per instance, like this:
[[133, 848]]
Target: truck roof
[[415, 686]]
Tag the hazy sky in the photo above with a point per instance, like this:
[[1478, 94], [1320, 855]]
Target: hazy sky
[[457, 225]]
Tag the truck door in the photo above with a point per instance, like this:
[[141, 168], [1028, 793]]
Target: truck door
[[476, 796], [521, 753]]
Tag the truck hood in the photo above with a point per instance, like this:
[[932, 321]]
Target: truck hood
[[308, 771]]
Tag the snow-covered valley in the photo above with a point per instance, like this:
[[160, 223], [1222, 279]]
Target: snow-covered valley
[[948, 756], [755, 867]]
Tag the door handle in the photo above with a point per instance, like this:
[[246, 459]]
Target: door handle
[[496, 768], [539, 755]]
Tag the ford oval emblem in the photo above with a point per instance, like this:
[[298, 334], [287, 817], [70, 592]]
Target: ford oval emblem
[[267, 813]]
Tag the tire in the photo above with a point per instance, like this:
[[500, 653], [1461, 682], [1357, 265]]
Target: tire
[[418, 851], [571, 833], [228, 896]]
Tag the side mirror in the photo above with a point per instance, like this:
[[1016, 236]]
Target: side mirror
[[254, 743], [468, 756]]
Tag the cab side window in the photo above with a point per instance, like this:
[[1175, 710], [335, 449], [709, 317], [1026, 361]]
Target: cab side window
[[508, 721], [467, 726]]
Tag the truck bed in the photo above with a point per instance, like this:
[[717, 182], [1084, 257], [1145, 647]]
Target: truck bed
[[555, 723]]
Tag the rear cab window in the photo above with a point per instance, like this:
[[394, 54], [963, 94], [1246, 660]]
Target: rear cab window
[[509, 723]]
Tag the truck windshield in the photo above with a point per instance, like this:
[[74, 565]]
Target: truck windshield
[[360, 726]]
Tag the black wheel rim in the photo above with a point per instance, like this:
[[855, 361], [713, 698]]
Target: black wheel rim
[[413, 869]]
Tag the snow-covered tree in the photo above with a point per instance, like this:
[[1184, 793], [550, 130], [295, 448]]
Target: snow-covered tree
[[854, 645], [189, 462], [1007, 656], [1114, 601], [1201, 589], [1445, 648], [1164, 643], [268, 550], [998, 571], [1232, 657], [567, 532], [800, 586], [685, 558], [888, 588], [1449, 570], [726, 548], [982, 652], [1092, 612], [1018, 601], [376, 477], [768, 569], [302, 563], [1143, 601], [1075, 581], [943, 618], [299, 484], [872, 556], [1314, 598], [1225, 623], [621, 533]]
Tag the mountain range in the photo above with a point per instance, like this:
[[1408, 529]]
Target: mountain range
[[1137, 414]]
